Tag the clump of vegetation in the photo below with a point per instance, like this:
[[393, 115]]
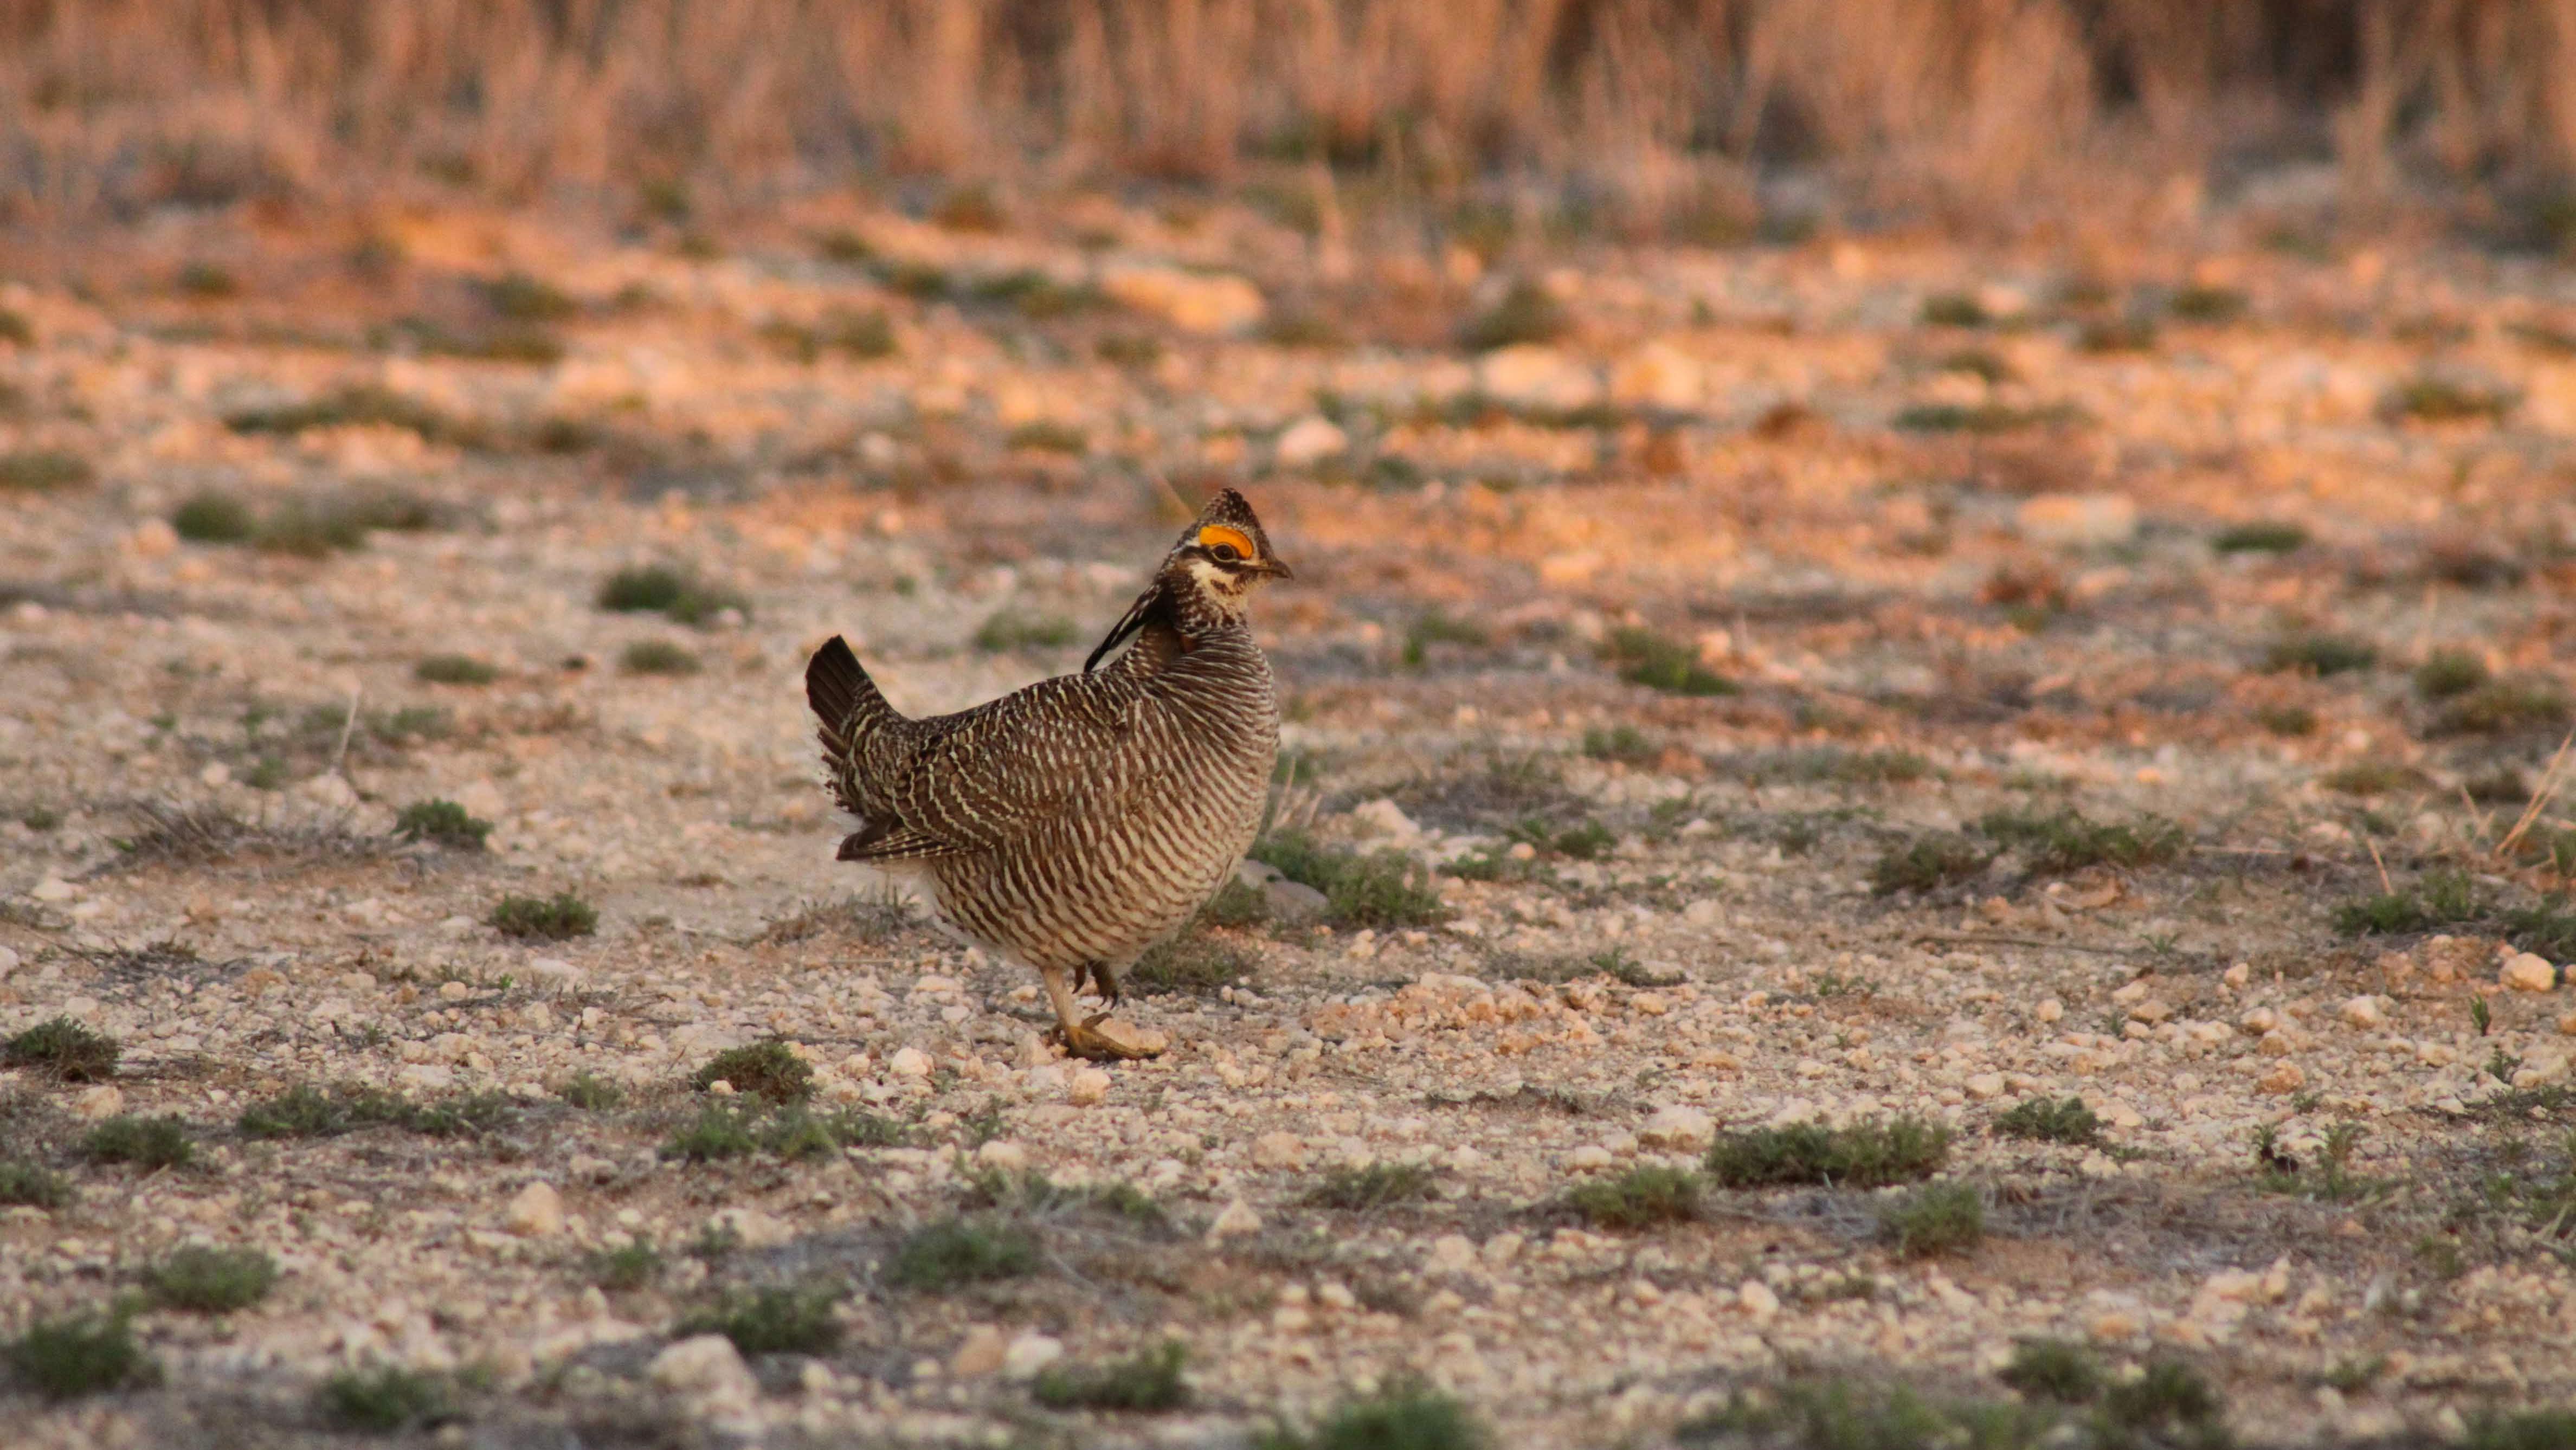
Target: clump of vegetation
[[214, 518], [559, 917], [442, 823], [1383, 888], [520, 297], [1623, 743], [719, 1131], [657, 657], [2503, 707], [963, 1250], [1045, 436], [1939, 1218], [853, 334], [2320, 654], [765, 1070], [2328, 1180], [2261, 537], [42, 470], [1982, 417], [385, 1400], [1647, 658], [2212, 306], [2521, 1430], [2369, 778], [771, 1320], [2066, 841], [2446, 673], [2051, 1120], [1870, 1154], [1928, 861], [590, 1092], [2442, 898], [1193, 962], [205, 1280], [362, 406], [1954, 309], [1009, 630], [2054, 1370], [2170, 1402], [1405, 1415], [1525, 313], [305, 1111], [146, 1142], [1642, 1196], [32, 1185], [1847, 1414], [730, 1128], [454, 670], [64, 1050], [2291, 721], [1146, 1383], [662, 589], [2432, 398], [627, 1267], [1376, 1185], [80, 1354]]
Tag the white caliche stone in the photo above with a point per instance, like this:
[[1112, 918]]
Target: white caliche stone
[[1677, 1127], [2527, 972], [1030, 1353], [536, 1211]]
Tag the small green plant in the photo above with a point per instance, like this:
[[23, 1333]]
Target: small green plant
[[1625, 744], [2547, 1429], [2480, 1015], [657, 657], [1382, 889], [1869, 1154], [1044, 436], [1147, 1383], [1954, 309], [442, 823], [963, 1250], [1436, 627], [765, 1070], [42, 470], [2289, 721], [305, 1111], [1927, 862], [2448, 673], [2262, 537], [146, 1142], [1647, 658], [204, 1280], [1006, 631], [559, 917], [590, 1092], [720, 1130], [1938, 1218], [207, 281], [2170, 1401], [1642, 1196], [32, 1185], [2369, 778], [1525, 313], [1404, 1415], [2210, 306], [2051, 1120], [627, 1267], [385, 1400], [1376, 1185], [454, 670], [1982, 417], [2431, 398], [2053, 1369], [2441, 898], [64, 1050], [523, 298], [2503, 707], [80, 1354], [771, 1321], [1193, 962], [643, 589], [2319, 654], [2053, 844]]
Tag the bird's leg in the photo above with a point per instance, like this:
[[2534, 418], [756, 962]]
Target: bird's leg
[[1107, 982], [1079, 1038]]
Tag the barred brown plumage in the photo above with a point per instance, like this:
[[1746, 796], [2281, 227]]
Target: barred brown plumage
[[1074, 823]]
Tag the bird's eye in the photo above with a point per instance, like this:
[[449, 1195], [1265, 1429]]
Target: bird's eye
[[1225, 553]]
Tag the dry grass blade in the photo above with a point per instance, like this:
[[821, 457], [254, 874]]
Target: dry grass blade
[[2551, 780]]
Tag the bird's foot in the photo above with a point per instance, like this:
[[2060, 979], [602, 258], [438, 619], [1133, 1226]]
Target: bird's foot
[[1085, 1040]]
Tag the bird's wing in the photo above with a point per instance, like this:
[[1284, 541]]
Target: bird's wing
[[970, 782]]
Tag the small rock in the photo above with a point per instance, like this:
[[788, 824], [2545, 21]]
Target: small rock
[[1531, 375], [750, 1228], [1126, 1036], [537, 1211], [2362, 1012], [2527, 972], [2049, 1009], [1089, 1085], [1002, 1153], [1279, 1150], [590, 1169], [1451, 1254], [1191, 301], [2083, 520], [909, 1062], [1384, 817], [1294, 902], [1030, 1353], [980, 1353], [2567, 1025], [1757, 1299], [1677, 1127], [216, 774], [54, 888], [1986, 1085], [104, 1101], [8, 961], [332, 790], [706, 1370], [2284, 1078], [1591, 1155], [1237, 1220], [1309, 440], [482, 798]]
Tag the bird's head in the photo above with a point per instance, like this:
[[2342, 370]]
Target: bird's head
[[1223, 553]]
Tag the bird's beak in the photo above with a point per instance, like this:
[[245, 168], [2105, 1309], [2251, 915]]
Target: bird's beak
[[1275, 569]]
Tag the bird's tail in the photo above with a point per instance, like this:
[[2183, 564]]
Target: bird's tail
[[849, 707]]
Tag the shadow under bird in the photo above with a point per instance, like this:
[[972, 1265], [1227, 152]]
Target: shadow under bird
[[1072, 824]]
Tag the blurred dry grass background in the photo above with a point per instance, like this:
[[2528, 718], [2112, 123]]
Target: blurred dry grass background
[[1657, 115]]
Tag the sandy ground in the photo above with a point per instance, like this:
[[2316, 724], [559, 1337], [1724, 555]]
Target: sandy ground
[[1947, 532]]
